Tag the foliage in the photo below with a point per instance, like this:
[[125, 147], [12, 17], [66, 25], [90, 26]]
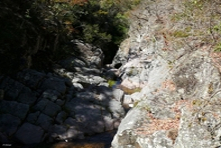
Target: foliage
[[36, 33], [218, 47], [197, 21], [180, 33], [111, 83]]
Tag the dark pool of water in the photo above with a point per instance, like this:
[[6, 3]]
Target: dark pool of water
[[102, 140]]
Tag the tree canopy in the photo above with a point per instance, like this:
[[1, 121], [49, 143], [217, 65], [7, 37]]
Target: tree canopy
[[35, 33]]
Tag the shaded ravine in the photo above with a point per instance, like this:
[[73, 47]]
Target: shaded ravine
[[74, 101]]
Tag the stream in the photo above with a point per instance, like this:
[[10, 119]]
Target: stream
[[102, 140]]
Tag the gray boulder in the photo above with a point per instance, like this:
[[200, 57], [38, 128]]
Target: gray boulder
[[118, 94]]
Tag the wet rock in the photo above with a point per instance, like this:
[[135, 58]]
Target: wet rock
[[54, 83], [60, 102], [44, 121], [58, 132], [40, 106], [76, 129], [13, 90], [52, 95], [4, 82], [61, 117], [69, 106], [71, 122], [20, 110], [17, 109], [74, 133], [51, 109], [7, 106], [106, 91], [32, 117], [31, 78], [3, 138], [29, 134], [9, 124], [27, 96]]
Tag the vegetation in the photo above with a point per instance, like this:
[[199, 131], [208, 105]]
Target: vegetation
[[36, 33], [197, 21]]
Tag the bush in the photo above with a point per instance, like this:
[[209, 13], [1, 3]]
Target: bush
[[36, 33]]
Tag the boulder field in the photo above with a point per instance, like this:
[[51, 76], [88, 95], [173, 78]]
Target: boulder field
[[72, 102], [162, 89]]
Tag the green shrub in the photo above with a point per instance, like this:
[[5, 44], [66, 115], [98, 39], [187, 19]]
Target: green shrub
[[111, 83], [36, 33]]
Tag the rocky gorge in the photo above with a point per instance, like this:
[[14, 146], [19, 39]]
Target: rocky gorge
[[169, 82], [70, 103]]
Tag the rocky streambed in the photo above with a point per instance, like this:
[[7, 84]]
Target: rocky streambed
[[171, 85], [73, 102]]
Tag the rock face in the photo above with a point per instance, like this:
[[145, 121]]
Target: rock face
[[70, 103], [169, 82], [174, 90]]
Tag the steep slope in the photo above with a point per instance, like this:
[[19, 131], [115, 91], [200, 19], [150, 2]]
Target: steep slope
[[169, 60]]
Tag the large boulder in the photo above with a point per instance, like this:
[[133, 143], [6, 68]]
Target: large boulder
[[30, 134], [177, 106]]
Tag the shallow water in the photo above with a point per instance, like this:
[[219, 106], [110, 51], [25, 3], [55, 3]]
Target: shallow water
[[102, 140]]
